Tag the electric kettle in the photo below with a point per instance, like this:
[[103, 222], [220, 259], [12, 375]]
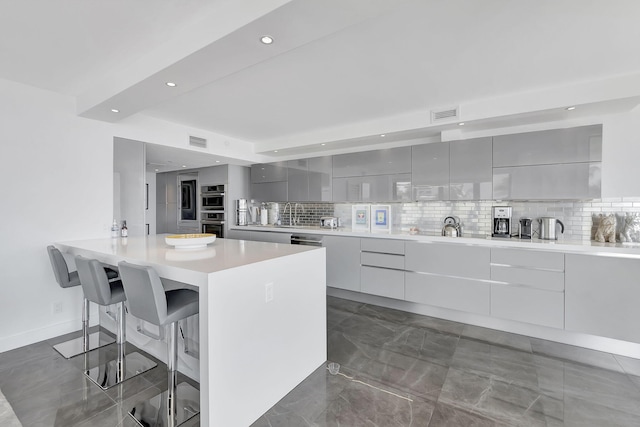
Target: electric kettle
[[548, 228]]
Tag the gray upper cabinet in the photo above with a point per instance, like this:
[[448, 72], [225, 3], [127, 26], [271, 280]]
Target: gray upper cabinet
[[320, 174], [269, 172], [376, 162], [378, 188], [309, 180], [547, 182], [430, 171], [298, 180], [574, 145], [269, 191], [471, 169]]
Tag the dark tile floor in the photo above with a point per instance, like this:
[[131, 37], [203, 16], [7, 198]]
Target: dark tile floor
[[396, 369]]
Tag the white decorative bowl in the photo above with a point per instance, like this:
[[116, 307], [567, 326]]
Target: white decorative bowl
[[190, 241]]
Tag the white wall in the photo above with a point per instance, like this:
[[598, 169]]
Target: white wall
[[57, 178]]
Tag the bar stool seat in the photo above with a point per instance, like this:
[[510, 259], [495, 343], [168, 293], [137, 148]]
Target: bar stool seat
[[98, 289], [69, 279], [150, 302]]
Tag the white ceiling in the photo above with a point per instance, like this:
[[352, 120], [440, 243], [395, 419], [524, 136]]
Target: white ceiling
[[339, 72]]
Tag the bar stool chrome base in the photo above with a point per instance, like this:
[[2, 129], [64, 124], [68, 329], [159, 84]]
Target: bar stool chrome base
[[78, 346], [116, 371], [155, 411]]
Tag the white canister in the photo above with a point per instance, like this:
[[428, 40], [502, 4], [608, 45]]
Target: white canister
[[264, 216]]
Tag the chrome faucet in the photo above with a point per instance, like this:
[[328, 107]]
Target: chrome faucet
[[296, 220], [285, 211]]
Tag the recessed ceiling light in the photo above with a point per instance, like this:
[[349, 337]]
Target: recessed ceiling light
[[570, 108], [171, 84], [266, 39], [275, 151], [382, 135], [184, 166], [217, 161], [461, 124], [323, 144], [157, 170], [115, 110]]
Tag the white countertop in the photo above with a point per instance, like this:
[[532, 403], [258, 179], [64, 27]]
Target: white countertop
[[561, 245], [220, 255]]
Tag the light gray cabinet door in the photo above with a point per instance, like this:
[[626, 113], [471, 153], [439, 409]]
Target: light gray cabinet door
[[430, 171], [469, 295], [547, 182], [269, 172], [239, 235], [529, 305], [471, 169], [449, 259], [319, 170], [382, 282], [343, 262], [601, 296], [297, 180], [214, 175], [271, 237], [380, 188], [579, 144], [269, 192], [375, 162]]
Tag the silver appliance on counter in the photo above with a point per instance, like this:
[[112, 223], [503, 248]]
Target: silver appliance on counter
[[242, 212], [501, 221], [273, 213], [548, 227], [330, 222], [524, 231]]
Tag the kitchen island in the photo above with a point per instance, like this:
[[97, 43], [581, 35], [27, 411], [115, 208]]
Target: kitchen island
[[262, 315]]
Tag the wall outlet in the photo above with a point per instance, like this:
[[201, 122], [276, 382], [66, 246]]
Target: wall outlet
[[56, 307], [268, 292]]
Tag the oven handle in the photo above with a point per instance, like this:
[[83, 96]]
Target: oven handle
[[211, 222], [209, 194]]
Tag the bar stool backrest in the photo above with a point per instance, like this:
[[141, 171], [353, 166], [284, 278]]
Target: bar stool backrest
[[145, 293], [60, 268], [93, 278]]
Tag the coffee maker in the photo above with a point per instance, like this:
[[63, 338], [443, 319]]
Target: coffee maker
[[525, 228], [501, 221]]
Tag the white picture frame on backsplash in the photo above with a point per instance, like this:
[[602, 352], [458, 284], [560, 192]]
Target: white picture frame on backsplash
[[380, 218], [360, 217]]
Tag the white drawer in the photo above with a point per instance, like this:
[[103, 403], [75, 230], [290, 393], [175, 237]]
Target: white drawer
[[456, 293], [382, 282], [385, 246], [450, 259], [375, 259], [536, 306], [528, 258], [541, 279]]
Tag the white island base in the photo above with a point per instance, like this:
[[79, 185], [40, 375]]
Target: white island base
[[262, 316]]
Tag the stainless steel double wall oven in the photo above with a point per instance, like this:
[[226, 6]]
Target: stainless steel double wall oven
[[212, 209]]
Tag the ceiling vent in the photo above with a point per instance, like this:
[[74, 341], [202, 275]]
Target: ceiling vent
[[195, 141], [449, 114]]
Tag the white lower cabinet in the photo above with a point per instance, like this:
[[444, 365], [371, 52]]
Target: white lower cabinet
[[343, 262], [529, 305], [383, 282], [603, 296], [530, 286], [456, 293]]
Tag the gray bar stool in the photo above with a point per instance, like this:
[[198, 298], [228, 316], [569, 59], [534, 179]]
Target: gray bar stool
[[67, 279], [150, 302], [98, 289]]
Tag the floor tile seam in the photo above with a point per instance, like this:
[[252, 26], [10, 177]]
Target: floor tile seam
[[411, 325], [585, 401], [536, 389], [397, 388], [469, 410], [494, 344], [579, 363]]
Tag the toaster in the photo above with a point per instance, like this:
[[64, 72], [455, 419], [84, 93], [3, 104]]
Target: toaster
[[330, 222]]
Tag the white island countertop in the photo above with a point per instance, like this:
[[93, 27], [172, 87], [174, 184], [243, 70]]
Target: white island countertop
[[561, 245], [262, 317]]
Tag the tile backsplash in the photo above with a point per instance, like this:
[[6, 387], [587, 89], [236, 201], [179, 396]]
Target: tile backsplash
[[578, 217]]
